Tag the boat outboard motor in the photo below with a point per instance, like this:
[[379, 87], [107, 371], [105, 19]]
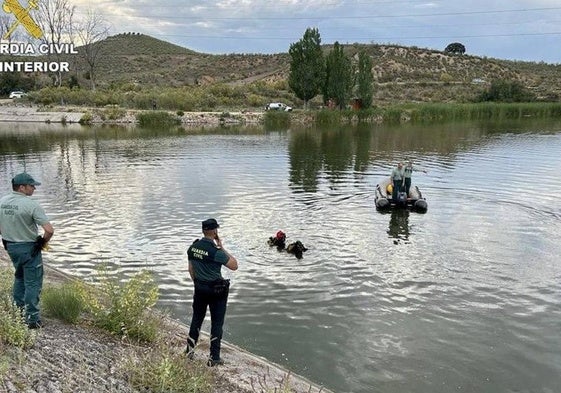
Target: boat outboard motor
[[401, 199]]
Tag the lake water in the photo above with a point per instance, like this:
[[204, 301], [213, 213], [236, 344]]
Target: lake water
[[463, 298]]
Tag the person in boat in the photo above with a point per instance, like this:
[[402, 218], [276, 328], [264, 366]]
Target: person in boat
[[407, 172], [397, 180]]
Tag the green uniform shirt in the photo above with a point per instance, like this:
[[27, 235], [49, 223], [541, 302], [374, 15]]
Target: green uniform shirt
[[407, 171], [19, 217], [207, 260], [397, 174]]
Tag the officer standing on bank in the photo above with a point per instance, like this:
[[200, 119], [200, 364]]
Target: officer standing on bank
[[20, 217], [206, 258]]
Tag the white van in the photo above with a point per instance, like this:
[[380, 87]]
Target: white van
[[278, 106], [17, 94]]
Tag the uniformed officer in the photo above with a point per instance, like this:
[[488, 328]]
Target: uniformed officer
[[397, 180], [206, 258], [20, 217], [407, 172]]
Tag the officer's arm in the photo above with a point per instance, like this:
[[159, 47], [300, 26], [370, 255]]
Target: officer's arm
[[48, 231], [191, 271], [232, 263]]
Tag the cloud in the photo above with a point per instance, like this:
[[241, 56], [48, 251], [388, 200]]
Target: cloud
[[494, 28]]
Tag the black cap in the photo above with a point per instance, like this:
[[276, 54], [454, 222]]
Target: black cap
[[209, 224]]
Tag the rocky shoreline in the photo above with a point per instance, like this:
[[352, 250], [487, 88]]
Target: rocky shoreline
[[79, 358], [17, 112]]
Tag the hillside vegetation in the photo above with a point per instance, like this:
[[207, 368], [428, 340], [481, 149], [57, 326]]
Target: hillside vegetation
[[138, 62]]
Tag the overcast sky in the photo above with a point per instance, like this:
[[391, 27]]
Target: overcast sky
[[505, 29]]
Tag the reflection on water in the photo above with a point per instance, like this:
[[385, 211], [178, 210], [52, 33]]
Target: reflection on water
[[472, 285], [399, 225]]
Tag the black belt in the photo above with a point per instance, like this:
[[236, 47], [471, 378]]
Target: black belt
[[211, 283], [197, 281]]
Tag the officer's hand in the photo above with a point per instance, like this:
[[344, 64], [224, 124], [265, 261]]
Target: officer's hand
[[38, 246]]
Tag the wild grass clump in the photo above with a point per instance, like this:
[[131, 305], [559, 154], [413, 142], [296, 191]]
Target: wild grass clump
[[65, 302], [87, 118], [13, 329], [164, 369], [328, 117], [114, 113], [428, 113], [125, 309], [276, 120], [392, 115], [157, 119]]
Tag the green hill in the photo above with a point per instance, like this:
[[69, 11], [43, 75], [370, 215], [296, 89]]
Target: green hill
[[402, 74], [139, 58]]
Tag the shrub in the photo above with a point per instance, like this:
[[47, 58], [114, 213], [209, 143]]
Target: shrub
[[115, 113], [124, 311], [276, 120], [328, 117], [13, 329], [87, 118], [506, 91], [157, 119]]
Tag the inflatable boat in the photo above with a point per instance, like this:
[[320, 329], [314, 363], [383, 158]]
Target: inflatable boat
[[414, 200]]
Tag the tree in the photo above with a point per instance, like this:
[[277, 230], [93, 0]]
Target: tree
[[339, 80], [455, 48], [307, 68], [365, 79], [55, 17], [91, 30]]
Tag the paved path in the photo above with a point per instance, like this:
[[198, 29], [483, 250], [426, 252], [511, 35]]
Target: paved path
[[20, 112]]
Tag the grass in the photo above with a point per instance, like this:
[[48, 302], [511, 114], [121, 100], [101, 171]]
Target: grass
[[65, 302], [424, 113], [157, 119], [162, 368], [275, 120]]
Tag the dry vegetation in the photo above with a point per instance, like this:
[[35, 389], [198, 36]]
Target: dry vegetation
[[402, 74]]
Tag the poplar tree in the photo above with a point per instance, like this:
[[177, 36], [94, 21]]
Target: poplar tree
[[307, 68], [339, 80], [365, 79]]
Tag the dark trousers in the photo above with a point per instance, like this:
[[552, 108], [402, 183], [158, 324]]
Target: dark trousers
[[396, 188], [205, 296], [407, 185], [28, 279]]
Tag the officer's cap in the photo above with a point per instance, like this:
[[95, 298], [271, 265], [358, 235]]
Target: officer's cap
[[209, 224], [22, 179]]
